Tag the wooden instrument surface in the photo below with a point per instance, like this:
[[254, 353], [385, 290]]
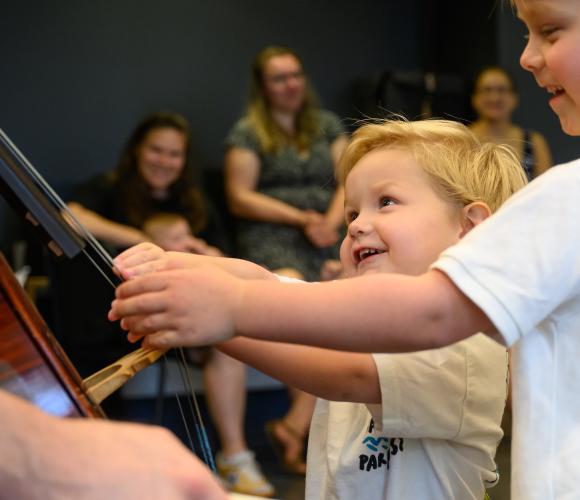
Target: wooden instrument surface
[[32, 364]]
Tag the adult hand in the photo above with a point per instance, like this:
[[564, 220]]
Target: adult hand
[[331, 270], [47, 457], [320, 232], [170, 309], [200, 247]]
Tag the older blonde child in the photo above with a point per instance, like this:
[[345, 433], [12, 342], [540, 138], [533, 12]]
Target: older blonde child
[[422, 425], [516, 277]]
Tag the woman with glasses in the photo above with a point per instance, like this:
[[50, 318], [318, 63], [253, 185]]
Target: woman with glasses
[[280, 183], [494, 99]]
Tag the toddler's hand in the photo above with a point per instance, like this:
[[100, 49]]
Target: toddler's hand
[[141, 259], [185, 307]]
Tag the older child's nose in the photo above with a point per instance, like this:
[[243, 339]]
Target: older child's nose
[[531, 58]]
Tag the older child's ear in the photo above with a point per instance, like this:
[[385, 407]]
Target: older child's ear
[[474, 214]]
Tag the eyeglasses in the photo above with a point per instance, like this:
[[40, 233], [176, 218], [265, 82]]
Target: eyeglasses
[[494, 90], [283, 77]]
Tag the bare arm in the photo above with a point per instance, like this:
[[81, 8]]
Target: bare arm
[[105, 229], [332, 375], [147, 258], [242, 173], [47, 457], [543, 157], [379, 313]]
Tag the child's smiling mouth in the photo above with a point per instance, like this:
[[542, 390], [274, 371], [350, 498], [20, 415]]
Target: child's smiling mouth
[[366, 253]]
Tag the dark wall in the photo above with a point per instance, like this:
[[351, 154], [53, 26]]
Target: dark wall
[[533, 111], [77, 75]]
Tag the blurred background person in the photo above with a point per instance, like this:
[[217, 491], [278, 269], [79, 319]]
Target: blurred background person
[[172, 232], [155, 176], [279, 179], [494, 99]]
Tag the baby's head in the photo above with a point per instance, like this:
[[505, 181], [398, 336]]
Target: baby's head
[[168, 230], [415, 188]]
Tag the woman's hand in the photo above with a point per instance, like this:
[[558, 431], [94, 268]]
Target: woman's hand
[[319, 230], [200, 247], [331, 270]]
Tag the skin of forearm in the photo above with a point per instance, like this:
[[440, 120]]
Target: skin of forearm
[[332, 375], [379, 313], [237, 267], [107, 230], [27, 435], [257, 206]]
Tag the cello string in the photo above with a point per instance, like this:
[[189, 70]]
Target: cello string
[[194, 409], [57, 202], [73, 222]]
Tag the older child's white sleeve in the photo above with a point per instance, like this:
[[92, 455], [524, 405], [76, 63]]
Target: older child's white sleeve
[[454, 393], [524, 262], [286, 279]]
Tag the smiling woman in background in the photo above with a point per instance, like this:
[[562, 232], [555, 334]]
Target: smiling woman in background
[[280, 164], [153, 176], [494, 100]]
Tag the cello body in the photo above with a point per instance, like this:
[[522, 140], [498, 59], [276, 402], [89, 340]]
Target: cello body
[[32, 363]]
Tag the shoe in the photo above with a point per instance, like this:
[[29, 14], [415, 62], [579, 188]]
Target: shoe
[[241, 474], [294, 464]]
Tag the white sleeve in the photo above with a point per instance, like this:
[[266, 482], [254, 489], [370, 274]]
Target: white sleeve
[[524, 262], [286, 279]]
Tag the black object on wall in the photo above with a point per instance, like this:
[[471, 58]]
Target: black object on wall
[[413, 94]]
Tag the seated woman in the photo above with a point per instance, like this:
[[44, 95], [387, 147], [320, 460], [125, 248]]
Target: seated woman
[[494, 99], [280, 164], [154, 175]]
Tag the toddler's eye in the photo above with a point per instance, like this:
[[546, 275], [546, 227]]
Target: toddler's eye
[[386, 201], [350, 216]]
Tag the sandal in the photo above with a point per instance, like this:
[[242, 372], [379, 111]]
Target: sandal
[[296, 464]]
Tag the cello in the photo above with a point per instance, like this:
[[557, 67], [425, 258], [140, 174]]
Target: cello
[[32, 363]]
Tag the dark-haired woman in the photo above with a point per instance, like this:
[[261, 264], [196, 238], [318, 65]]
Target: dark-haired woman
[[154, 175]]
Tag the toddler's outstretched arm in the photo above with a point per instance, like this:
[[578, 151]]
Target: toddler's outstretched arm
[[147, 257], [380, 313], [328, 374]]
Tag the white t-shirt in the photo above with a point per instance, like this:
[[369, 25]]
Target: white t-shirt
[[522, 268], [433, 437]]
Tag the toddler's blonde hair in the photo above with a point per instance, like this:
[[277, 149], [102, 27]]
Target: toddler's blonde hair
[[461, 168]]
